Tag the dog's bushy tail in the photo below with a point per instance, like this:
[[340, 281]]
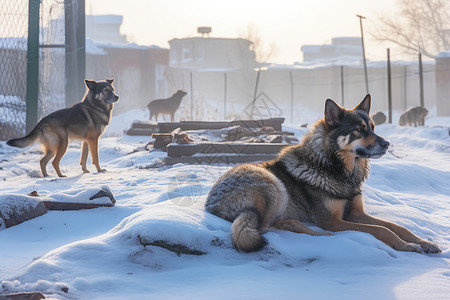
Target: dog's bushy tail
[[244, 231], [27, 140]]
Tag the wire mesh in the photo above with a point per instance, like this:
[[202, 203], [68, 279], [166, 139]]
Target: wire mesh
[[51, 57], [13, 67], [13, 63]]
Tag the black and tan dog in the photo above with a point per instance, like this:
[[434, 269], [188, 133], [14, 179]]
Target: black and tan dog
[[317, 181], [84, 121]]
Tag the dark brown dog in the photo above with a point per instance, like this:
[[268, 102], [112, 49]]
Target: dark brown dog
[[166, 106]]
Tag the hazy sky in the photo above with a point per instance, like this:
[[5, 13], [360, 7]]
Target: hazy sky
[[289, 24]]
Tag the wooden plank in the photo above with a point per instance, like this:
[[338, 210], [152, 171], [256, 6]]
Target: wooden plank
[[158, 135], [140, 131], [23, 296], [196, 125], [145, 125], [219, 159], [54, 205], [275, 123], [176, 150]]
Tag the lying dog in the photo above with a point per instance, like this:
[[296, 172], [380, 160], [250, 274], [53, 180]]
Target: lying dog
[[317, 181]]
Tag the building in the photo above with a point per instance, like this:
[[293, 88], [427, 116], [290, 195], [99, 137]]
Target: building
[[341, 48], [204, 67], [206, 52], [139, 70], [105, 29]]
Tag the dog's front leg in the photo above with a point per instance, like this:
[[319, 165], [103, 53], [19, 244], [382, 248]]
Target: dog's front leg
[[93, 147], [335, 222], [380, 232], [84, 155], [357, 214]]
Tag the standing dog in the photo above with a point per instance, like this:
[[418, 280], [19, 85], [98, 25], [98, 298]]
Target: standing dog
[[413, 116], [318, 181], [84, 121], [166, 106]]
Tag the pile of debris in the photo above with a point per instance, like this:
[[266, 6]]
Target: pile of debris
[[197, 142]]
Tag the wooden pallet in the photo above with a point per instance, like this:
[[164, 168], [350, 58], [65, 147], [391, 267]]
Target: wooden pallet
[[177, 150], [218, 159], [275, 123]]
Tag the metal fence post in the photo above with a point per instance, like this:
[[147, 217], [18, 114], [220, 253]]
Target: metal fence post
[[81, 48], [292, 96], [75, 61], [422, 101], [192, 96], [225, 87], [389, 85], [342, 85], [32, 65]]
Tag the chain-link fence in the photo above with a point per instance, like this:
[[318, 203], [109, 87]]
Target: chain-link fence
[[51, 57], [13, 62], [13, 67]]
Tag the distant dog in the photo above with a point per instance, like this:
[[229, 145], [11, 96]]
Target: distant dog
[[379, 118], [84, 121], [317, 181], [166, 106], [413, 116]]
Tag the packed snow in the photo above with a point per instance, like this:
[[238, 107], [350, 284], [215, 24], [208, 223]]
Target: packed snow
[[158, 242]]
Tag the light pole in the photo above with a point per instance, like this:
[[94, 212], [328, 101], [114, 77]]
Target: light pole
[[364, 52]]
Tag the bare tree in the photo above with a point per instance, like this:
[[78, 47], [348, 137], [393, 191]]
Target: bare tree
[[262, 52], [418, 26]]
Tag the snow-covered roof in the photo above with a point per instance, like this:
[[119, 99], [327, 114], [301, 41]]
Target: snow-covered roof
[[443, 54], [92, 48], [105, 19], [349, 61]]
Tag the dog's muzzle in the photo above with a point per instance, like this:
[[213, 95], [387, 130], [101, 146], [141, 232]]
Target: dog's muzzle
[[113, 99], [373, 151]]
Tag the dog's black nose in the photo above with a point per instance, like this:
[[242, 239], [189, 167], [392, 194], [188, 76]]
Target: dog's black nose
[[384, 144]]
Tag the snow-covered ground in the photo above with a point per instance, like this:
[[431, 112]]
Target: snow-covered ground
[[99, 253]]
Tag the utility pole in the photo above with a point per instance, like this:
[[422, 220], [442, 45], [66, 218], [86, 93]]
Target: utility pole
[[364, 52]]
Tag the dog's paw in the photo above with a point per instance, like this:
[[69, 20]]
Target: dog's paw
[[430, 247], [325, 234], [411, 247], [102, 171]]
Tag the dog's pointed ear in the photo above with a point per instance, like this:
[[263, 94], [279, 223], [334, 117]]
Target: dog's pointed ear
[[90, 83], [110, 80], [365, 104], [333, 113]]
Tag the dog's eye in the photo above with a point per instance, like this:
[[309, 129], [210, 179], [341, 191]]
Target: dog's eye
[[359, 128]]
